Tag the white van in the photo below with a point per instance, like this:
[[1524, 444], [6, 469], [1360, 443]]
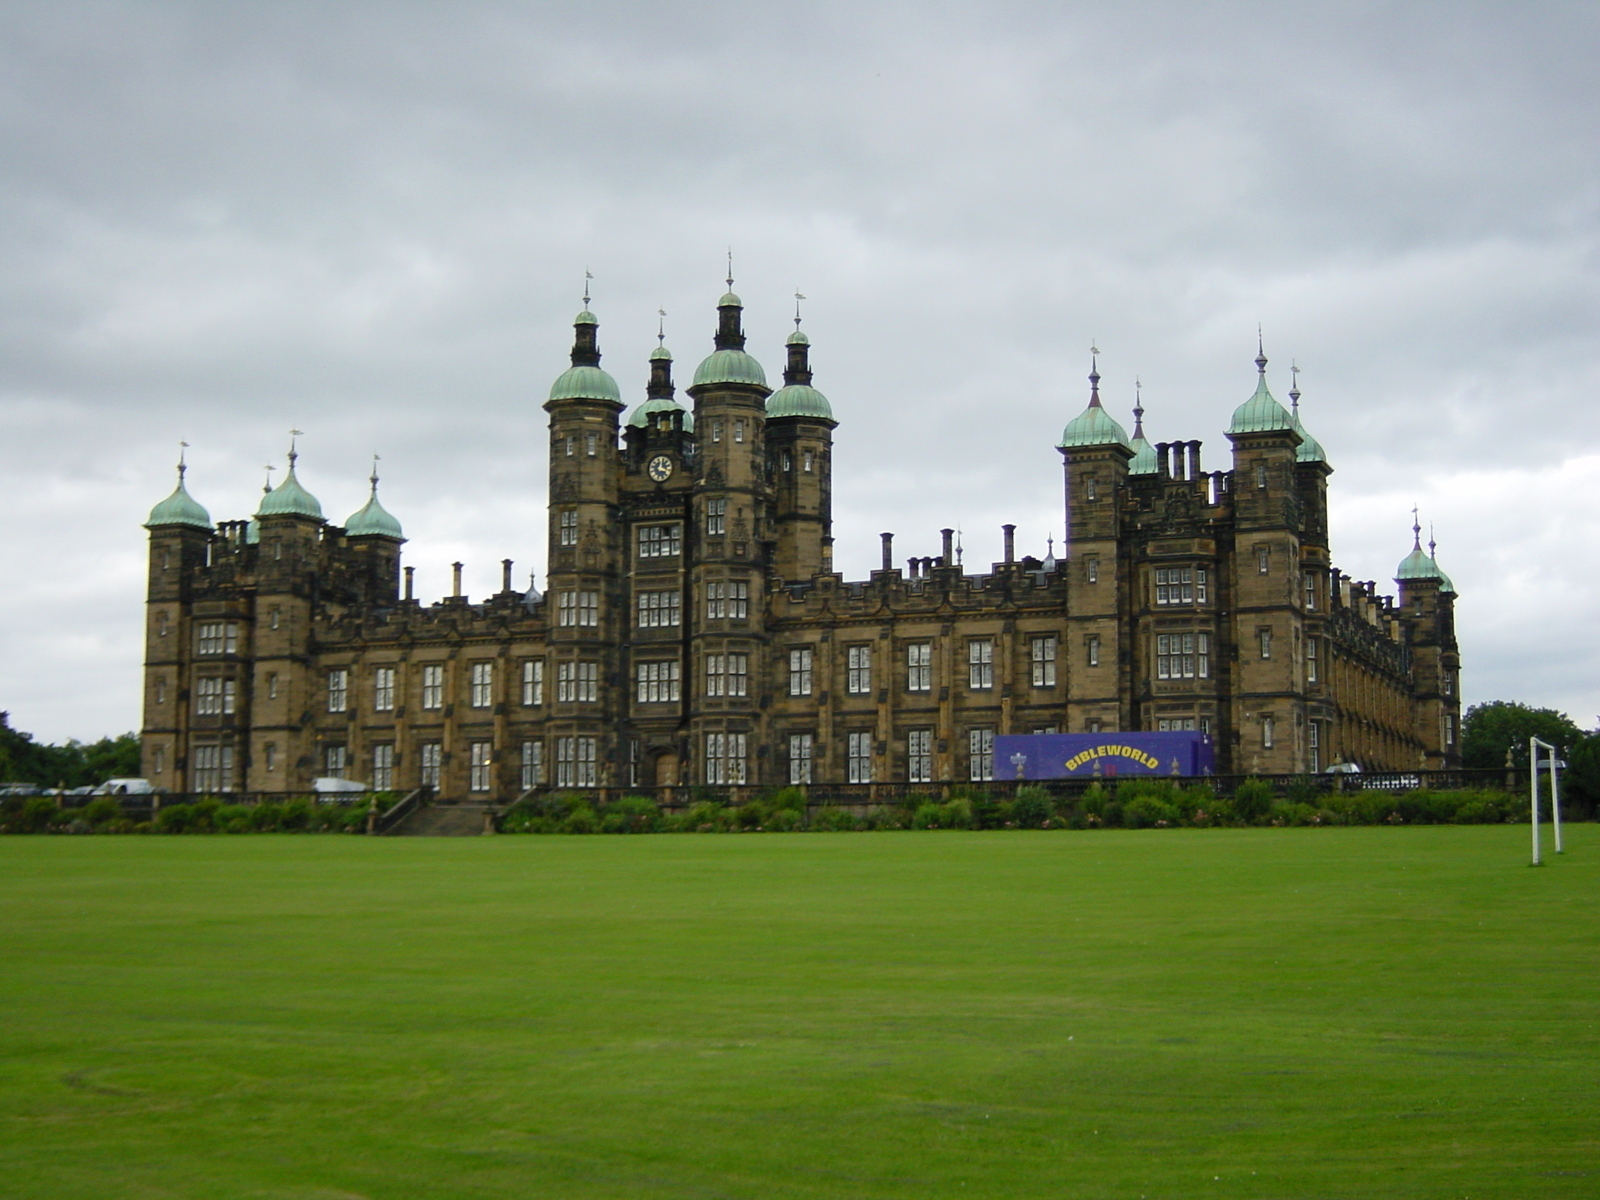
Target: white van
[[124, 787]]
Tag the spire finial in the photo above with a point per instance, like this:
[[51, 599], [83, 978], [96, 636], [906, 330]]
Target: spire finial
[[1433, 547], [1094, 374], [1294, 388], [730, 268], [586, 278], [294, 453], [1416, 529], [1138, 409], [266, 488], [183, 466], [374, 476], [1261, 352], [797, 298], [661, 327]]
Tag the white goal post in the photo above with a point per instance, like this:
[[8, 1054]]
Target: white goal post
[[1534, 747]]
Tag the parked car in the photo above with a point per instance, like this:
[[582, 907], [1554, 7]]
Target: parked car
[[326, 786], [20, 789], [123, 787]]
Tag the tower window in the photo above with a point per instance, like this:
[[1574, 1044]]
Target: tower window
[[980, 663], [659, 541], [1264, 638], [858, 757], [478, 774], [919, 667], [800, 672], [730, 598], [1043, 655], [213, 768], [725, 758], [858, 670], [533, 682], [980, 755], [1091, 650], [659, 610], [919, 756], [1314, 745], [808, 460], [1091, 569], [799, 758], [161, 690], [383, 690], [568, 527], [433, 687], [578, 609], [430, 764], [1183, 655], [577, 682], [1261, 475], [1263, 559], [716, 517], [716, 430], [591, 444], [383, 767], [657, 682], [338, 689], [482, 694], [532, 764], [1091, 488], [1266, 733], [569, 445], [1311, 593], [738, 429], [216, 637], [1311, 660]]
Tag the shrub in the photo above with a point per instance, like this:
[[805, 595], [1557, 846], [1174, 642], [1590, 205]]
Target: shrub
[[783, 820], [100, 810], [1290, 812], [706, 816], [832, 819], [1252, 800], [792, 798], [928, 816], [1482, 811], [1093, 800], [1143, 812], [581, 820], [633, 814], [295, 815], [264, 818], [175, 818], [1030, 808]]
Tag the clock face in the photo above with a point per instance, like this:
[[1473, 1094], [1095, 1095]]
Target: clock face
[[660, 468]]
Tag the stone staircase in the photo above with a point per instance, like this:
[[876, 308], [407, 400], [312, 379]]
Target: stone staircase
[[445, 820]]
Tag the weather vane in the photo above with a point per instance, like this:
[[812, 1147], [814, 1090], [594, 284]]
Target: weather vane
[[661, 327], [797, 298], [586, 278]]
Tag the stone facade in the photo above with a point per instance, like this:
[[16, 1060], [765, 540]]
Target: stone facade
[[692, 630]]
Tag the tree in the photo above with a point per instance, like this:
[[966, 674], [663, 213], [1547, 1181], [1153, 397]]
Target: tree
[[1580, 783], [23, 760], [1488, 730]]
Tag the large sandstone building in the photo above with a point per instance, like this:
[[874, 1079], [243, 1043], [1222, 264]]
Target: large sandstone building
[[692, 630]]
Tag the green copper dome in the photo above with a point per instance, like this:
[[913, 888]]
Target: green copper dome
[[1144, 457], [1261, 413], [586, 318], [180, 508], [729, 366], [289, 499], [640, 419], [729, 300], [1094, 426], [1310, 450], [1420, 564], [798, 400], [585, 383], [798, 339], [373, 520]]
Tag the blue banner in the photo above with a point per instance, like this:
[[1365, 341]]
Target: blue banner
[[1070, 755]]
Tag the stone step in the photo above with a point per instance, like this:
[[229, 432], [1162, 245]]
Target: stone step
[[444, 820]]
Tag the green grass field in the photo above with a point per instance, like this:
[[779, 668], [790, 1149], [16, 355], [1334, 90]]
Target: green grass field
[[1350, 1012]]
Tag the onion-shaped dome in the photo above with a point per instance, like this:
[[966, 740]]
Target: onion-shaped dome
[[180, 508], [659, 393], [1144, 454], [1261, 413], [1422, 565], [533, 596], [373, 520], [729, 366], [729, 363], [1094, 426], [584, 380], [289, 498], [797, 398], [640, 418], [1310, 450]]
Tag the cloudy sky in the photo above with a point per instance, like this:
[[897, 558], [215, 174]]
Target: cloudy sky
[[371, 222]]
